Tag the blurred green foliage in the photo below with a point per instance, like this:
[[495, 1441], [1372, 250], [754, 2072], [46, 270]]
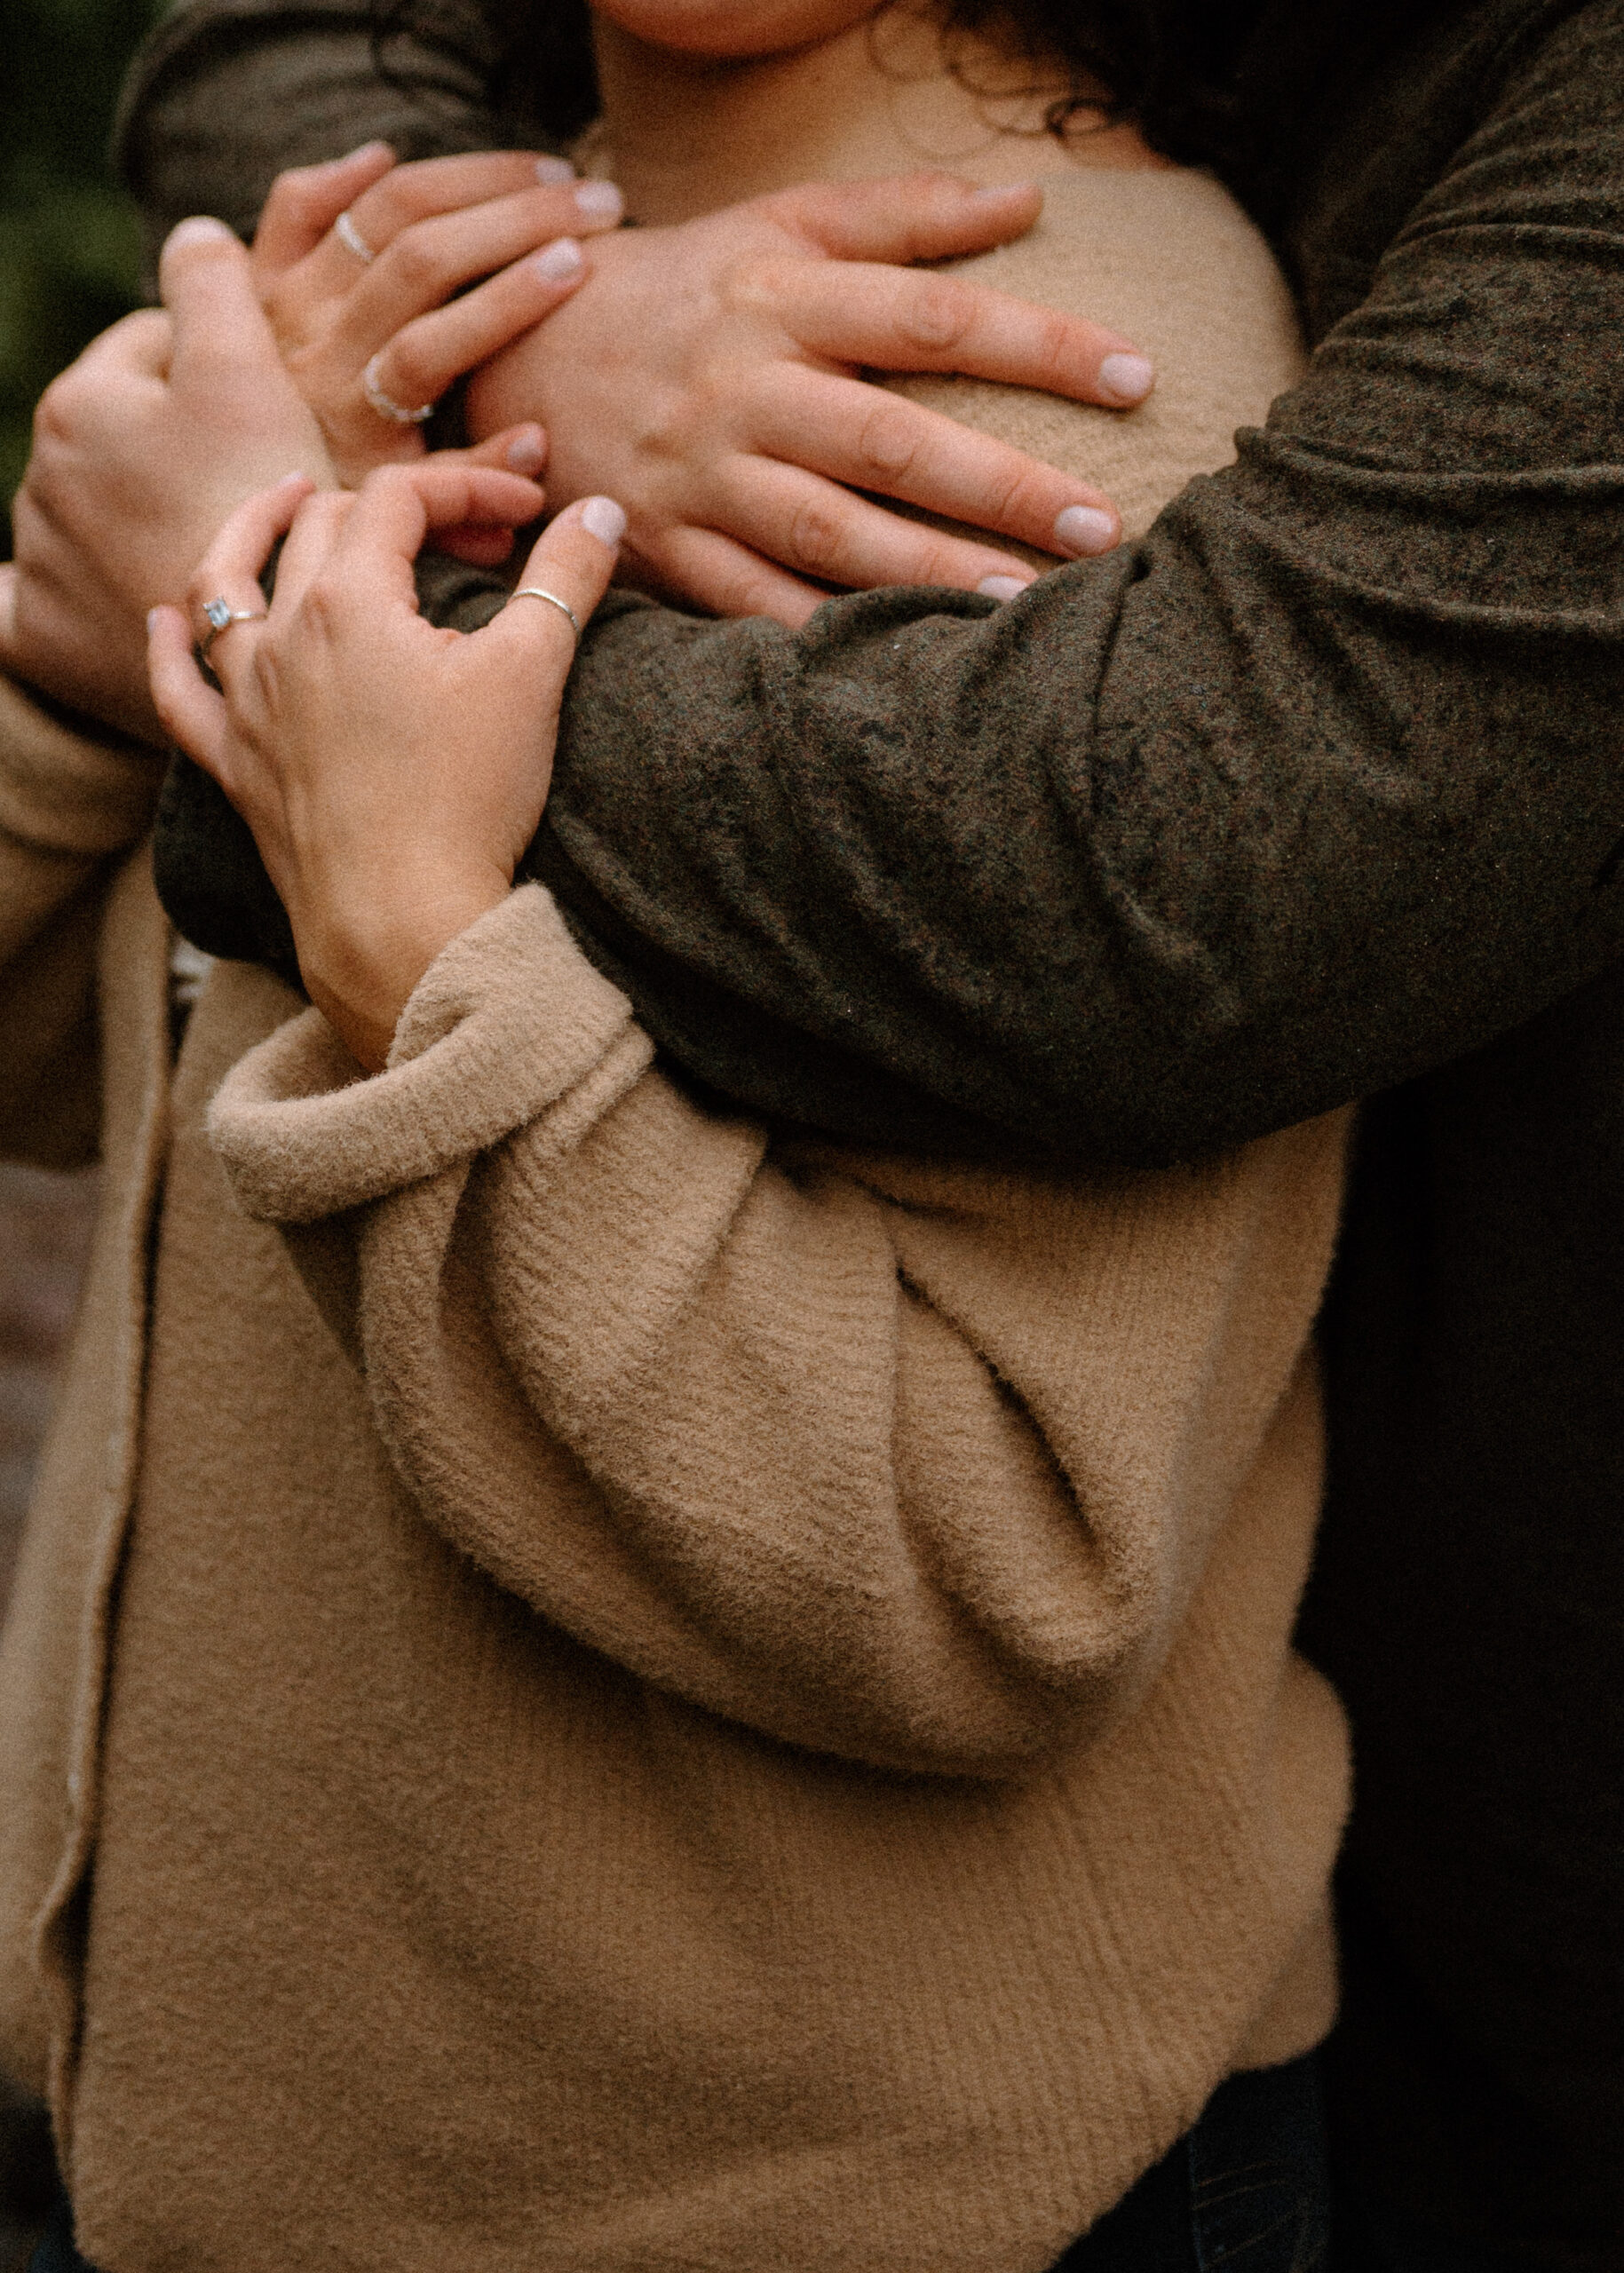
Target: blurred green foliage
[[68, 242]]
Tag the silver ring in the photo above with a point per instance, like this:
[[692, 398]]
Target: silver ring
[[220, 615], [350, 238], [536, 592], [385, 405]]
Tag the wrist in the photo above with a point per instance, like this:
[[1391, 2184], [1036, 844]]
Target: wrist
[[360, 965]]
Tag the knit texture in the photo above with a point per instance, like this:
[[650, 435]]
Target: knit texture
[[676, 1697]]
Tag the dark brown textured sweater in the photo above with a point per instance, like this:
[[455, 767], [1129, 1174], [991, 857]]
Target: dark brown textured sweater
[[1314, 793]]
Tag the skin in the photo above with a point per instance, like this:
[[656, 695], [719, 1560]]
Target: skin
[[343, 696]]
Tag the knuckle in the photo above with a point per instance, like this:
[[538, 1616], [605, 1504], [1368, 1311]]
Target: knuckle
[[939, 315], [888, 444], [1056, 344], [815, 539], [414, 261]]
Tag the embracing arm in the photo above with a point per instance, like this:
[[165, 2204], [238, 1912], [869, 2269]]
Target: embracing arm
[[1316, 786], [1312, 790]]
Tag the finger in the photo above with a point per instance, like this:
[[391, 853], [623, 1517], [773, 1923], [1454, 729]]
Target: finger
[[894, 321], [397, 507], [191, 713], [423, 265], [926, 215], [574, 560], [820, 530], [230, 568], [716, 573], [430, 354], [515, 449], [310, 543], [208, 287], [870, 439], [434, 185], [305, 200]]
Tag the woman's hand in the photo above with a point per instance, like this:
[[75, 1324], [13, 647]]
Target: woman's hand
[[392, 773], [360, 266], [141, 448], [710, 377]]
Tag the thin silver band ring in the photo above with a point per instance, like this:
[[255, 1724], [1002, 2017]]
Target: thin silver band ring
[[536, 592], [219, 615], [350, 238], [385, 405]]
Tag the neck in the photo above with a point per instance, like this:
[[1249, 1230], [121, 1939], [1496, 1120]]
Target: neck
[[685, 134]]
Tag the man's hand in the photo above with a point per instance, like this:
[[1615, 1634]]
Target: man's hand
[[141, 449], [709, 377]]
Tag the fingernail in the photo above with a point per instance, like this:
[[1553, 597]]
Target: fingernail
[[152, 618], [552, 171], [559, 259], [1128, 378], [1004, 189], [366, 150], [601, 201], [1003, 588], [1082, 529], [202, 229], [605, 518], [527, 452]]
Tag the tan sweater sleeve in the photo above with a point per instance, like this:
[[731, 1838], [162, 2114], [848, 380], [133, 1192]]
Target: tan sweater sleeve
[[70, 802], [919, 1476]]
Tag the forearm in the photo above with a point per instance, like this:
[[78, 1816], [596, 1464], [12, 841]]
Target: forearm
[[1318, 790]]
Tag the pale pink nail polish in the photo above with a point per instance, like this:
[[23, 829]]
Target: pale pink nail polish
[[526, 452], [558, 261], [600, 202], [551, 172], [605, 520], [1126, 378], [1003, 588], [365, 150], [1082, 529]]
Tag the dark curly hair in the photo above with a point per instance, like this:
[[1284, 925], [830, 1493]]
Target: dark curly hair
[[1207, 82]]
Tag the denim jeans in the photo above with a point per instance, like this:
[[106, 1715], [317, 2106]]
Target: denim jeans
[[1244, 2191]]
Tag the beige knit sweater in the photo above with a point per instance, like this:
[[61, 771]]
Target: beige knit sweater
[[592, 1689]]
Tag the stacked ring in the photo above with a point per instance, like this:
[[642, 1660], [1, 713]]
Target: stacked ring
[[385, 405]]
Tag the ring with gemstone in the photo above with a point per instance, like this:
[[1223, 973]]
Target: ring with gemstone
[[219, 615]]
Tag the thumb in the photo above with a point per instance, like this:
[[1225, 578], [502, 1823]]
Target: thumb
[[207, 284], [913, 216]]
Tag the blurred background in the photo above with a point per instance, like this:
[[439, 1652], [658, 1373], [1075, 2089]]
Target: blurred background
[[68, 259], [69, 250]]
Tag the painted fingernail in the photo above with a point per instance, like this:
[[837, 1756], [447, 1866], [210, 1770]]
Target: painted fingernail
[[366, 150], [1083, 529], [605, 518], [599, 202], [1126, 378], [526, 452], [200, 229], [1003, 588], [559, 260], [152, 620], [550, 171]]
